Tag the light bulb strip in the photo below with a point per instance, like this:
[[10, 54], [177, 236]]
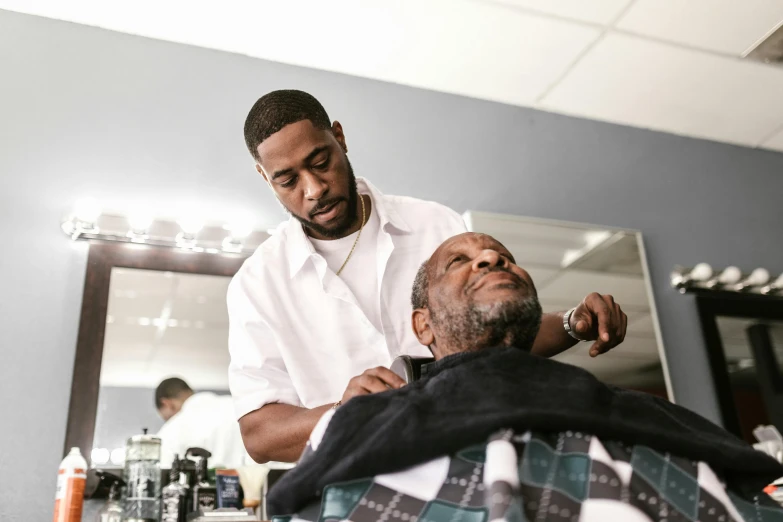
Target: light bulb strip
[[166, 234], [703, 279]]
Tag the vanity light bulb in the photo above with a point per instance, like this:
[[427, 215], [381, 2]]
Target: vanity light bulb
[[758, 277], [191, 225], [118, 456], [240, 230], [99, 456], [701, 272], [731, 275], [775, 286], [87, 210], [140, 222]]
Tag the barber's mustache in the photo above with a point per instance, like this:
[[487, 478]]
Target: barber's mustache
[[487, 271], [323, 205]]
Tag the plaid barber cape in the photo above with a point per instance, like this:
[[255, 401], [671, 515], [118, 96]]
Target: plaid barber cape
[[567, 477]]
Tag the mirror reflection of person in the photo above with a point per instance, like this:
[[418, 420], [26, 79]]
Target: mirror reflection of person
[[320, 310], [204, 419]]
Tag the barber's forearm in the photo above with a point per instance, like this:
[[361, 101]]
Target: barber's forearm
[[552, 337], [278, 432]]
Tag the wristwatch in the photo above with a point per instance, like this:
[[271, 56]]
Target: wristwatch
[[567, 324]]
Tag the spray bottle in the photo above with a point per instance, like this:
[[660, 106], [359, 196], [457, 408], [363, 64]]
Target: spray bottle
[[71, 478]]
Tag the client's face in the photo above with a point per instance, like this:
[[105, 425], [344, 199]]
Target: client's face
[[479, 298]]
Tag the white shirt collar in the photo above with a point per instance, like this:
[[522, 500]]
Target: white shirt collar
[[299, 248]]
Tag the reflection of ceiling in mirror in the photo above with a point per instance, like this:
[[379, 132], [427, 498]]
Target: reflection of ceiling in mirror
[[567, 262], [736, 346], [163, 324]]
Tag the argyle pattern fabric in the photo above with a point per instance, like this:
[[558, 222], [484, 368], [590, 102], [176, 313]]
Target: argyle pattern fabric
[[566, 477]]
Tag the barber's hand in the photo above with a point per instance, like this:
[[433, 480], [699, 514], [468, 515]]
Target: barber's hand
[[598, 318], [374, 380]]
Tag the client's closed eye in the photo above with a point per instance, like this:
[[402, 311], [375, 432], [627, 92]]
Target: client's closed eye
[[453, 260]]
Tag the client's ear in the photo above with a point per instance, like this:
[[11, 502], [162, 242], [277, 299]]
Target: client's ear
[[422, 328]]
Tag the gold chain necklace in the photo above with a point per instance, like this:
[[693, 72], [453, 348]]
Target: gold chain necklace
[[355, 240]]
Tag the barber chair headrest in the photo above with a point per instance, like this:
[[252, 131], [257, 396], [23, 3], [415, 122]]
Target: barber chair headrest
[[411, 368]]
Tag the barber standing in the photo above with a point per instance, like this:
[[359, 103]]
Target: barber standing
[[320, 310]]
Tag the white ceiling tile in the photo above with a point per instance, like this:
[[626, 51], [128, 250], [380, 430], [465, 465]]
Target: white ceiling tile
[[726, 26], [574, 285], [600, 12], [775, 142], [632, 81], [459, 46]]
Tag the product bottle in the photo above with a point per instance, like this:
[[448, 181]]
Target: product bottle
[[204, 494], [71, 478], [175, 495], [112, 510]]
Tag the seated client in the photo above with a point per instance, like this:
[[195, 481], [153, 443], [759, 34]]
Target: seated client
[[492, 432]]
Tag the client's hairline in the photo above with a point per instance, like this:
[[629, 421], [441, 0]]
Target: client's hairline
[[421, 287]]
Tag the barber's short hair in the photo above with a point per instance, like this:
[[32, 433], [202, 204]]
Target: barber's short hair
[[277, 109], [170, 389], [421, 287]]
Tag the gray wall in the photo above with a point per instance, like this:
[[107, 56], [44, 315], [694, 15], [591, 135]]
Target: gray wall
[[86, 111]]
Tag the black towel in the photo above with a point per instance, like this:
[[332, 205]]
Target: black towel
[[467, 397]]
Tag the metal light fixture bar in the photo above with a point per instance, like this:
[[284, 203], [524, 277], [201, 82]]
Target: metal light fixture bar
[[702, 278], [187, 236]]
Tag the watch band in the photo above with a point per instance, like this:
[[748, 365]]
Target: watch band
[[567, 324]]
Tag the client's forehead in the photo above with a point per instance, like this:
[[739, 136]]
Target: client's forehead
[[467, 240]]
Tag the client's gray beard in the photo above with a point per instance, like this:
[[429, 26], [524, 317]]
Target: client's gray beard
[[502, 324]]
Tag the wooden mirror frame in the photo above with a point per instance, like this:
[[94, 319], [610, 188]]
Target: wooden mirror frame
[[101, 260]]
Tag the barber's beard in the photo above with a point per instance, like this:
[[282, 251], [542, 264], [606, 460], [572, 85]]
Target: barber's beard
[[336, 230], [513, 323]]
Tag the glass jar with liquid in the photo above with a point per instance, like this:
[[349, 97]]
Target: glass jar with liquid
[[142, 479]]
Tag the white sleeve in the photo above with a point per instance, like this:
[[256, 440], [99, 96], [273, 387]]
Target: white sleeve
[[170, 444], [257, 374]]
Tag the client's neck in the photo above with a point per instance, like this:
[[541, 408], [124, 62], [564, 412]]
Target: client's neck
[[493, 338]]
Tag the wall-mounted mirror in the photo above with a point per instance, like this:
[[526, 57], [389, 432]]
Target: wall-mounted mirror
[[569, 260], [748, 345], [160, 325], [744, 337], [150, 314]]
